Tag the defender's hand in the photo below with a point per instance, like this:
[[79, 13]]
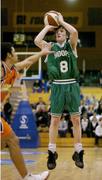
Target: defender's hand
[[46, 49]]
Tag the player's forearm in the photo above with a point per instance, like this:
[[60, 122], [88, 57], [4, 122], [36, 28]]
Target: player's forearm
[[29, 61], [39, 38], [73, 34], [33, 59], [69, 27]]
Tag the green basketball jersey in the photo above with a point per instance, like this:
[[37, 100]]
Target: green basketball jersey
[[63, 63]]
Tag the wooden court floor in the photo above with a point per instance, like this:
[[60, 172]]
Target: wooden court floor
[[65, 170]]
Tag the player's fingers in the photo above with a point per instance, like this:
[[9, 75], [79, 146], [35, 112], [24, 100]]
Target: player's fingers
[[51, 52]]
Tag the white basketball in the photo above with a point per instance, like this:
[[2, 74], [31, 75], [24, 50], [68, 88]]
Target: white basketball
[[51, 18]]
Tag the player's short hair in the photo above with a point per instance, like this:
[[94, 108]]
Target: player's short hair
[[63, 28], [5, 48]]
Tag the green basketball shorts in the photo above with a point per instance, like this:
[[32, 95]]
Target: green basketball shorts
[[65, 96]]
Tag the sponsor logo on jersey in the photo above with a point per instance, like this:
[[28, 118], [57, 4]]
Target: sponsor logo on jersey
[[61, 53]]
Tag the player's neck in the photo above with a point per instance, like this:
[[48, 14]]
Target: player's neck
[[61, 44], [8, 63]]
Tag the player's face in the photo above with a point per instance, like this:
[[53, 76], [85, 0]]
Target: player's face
[[14, 57], [61, 35]]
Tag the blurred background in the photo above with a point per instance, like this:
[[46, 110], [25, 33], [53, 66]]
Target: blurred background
[[22, 20]]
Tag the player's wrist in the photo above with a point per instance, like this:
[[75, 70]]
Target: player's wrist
[[62, 22], [47, 27], [41, 53]]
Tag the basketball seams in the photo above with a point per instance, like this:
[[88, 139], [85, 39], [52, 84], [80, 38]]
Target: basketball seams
[[52, 21], [46, 20], [50, 18]]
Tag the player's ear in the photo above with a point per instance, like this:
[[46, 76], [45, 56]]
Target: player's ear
[[67, 36], [9, 55]]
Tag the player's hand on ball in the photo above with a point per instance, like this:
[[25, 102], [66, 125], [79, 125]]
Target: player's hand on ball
[[50, 27], [60, 18], [51, 18]]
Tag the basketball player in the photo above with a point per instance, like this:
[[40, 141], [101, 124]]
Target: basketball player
[[9, 73], [65, 93]]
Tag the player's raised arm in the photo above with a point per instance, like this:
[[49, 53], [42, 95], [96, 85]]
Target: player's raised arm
[[33, 59], [39, 40], [72, 31]]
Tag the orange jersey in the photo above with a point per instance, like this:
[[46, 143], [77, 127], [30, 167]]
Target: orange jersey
[[5, 129], [7, 80]]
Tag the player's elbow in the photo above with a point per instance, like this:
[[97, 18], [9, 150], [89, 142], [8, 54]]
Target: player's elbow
[[75, 33], [35, 41]]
